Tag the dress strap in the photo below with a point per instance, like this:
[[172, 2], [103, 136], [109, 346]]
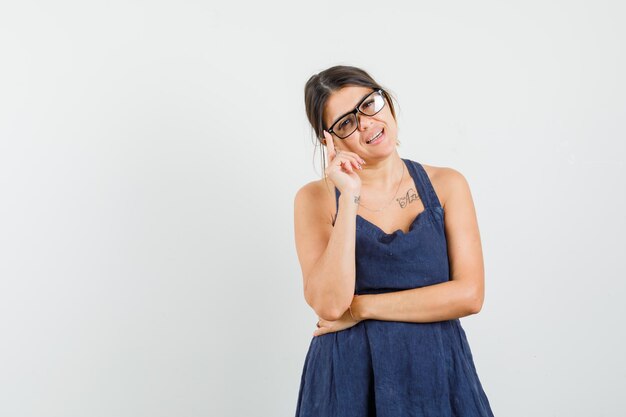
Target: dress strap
[[337, 194], [422, 182]]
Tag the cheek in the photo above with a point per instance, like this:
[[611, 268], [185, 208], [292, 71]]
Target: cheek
[[392, 127]]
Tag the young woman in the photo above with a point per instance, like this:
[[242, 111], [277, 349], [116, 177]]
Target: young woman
[[388, 277]]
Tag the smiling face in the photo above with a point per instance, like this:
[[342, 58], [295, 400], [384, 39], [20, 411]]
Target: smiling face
[[345, 100]]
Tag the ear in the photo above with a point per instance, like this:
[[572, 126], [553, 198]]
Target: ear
[[323, 140]]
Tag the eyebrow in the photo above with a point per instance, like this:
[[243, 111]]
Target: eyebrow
[[348, 112]]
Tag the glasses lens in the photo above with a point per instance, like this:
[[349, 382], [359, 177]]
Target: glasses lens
[[345, 126], [373, 104]]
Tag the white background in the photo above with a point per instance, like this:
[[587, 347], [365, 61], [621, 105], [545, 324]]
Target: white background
[[150, 153]]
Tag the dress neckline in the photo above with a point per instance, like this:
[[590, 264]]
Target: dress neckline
[[380, 231], [417, 218], [423, 188]]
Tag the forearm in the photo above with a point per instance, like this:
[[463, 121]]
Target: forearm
[[330, 286], [445, 301]]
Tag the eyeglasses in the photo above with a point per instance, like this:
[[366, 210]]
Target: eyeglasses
[[349, 122]]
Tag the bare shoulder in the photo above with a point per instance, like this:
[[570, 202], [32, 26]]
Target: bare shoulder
[[316, 197], [446, 182], [316, 188]]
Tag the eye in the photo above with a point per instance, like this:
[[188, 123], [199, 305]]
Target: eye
[[367, 104], [344, 123]]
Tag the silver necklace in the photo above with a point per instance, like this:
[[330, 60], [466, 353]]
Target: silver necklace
[[392, 198]]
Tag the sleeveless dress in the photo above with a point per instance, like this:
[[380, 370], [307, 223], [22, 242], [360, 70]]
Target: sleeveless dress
[[390, 368]]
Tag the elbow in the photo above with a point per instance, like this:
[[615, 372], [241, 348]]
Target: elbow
[[475, 308], [329, 315], [475, 302], [329, 302], [335, 311], [324, 308], [327, 312]]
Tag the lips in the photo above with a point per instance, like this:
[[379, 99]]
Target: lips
[[376, 136]]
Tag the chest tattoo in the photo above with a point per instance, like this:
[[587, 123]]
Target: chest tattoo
[[410, 197]]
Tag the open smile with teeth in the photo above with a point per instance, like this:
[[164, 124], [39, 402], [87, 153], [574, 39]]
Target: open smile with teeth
[[375, 136]]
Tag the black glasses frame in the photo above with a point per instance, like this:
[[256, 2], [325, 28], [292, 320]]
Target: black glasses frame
[[355, 111]]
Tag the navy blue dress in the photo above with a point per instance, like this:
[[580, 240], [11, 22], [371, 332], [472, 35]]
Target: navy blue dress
[[390, 368]]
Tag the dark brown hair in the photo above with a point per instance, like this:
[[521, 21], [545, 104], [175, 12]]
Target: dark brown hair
[[319, 88]]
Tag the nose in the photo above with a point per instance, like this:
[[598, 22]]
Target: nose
[[363, 121]]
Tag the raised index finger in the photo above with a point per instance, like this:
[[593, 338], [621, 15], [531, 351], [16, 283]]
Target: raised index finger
[[329, 145]]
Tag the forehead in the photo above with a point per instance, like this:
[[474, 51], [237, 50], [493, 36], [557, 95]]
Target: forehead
[[342, 101]]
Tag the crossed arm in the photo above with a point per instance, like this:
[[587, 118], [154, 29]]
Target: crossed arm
[[444, 301], [464, 293]]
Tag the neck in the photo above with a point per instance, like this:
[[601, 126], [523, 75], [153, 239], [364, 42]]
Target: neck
[[382, 174]]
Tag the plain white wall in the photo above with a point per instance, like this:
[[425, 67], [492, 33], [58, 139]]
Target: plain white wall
[[150, 153]]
